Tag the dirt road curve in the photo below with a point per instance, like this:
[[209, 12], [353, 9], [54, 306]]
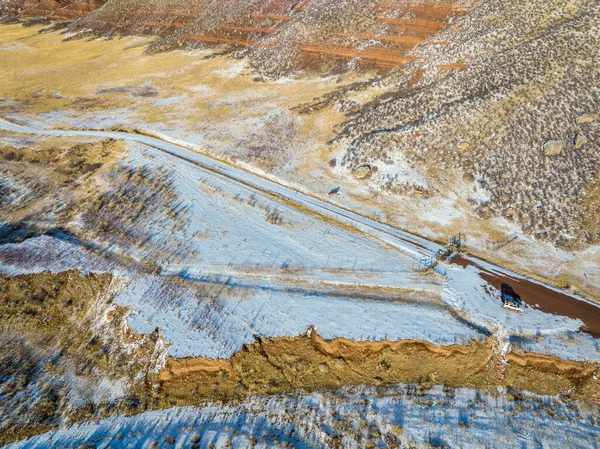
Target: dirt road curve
[[413, 245], [402, 240]]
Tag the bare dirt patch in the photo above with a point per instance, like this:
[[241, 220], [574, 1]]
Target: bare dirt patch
[[549, 300]]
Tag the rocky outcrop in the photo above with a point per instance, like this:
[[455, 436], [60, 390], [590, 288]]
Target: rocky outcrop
[[580, 141], [586, 118], [362, 172], [553, 148]]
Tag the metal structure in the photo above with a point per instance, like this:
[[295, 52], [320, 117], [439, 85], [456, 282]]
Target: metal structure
[[457, 241], [454, 246], [497, 244]]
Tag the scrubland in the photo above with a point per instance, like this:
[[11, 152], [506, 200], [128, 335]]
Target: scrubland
[[131, 280]]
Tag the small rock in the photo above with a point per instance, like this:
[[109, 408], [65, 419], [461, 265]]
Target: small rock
[[362, 172], [580, 141], [469, 177], [585, 118], [463, 147], [553, 147]]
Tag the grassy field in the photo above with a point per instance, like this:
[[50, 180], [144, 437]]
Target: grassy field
[[46, 74]]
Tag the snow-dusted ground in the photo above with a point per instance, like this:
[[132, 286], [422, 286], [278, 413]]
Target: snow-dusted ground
[[351, 417], [237, 260], [466, 290], [218, 324], [45, 253], [411, 244], [246, 275], [568, 345], [228, 224], [95, 119]]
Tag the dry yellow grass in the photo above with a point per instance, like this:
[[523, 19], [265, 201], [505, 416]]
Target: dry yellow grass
[[311, 363], [591, 221], [44, 73], [75, 68]]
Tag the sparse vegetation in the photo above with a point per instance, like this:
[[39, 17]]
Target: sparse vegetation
[[492, 122], [65, 354], [493, 98], [121, 215], [48, 179]]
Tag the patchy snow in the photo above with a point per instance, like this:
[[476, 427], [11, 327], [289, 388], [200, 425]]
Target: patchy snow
[[234, 71], [214, 316], [169, 101], [478, 193], [397, 169], [13, 189], [82, 391], [47, 253], [90, 119], [351, 416], [440, 210], [567, 345], [14, 46], [467, 291], [18, 142]]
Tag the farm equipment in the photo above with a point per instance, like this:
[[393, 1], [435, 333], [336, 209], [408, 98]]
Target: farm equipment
[[510, 299]]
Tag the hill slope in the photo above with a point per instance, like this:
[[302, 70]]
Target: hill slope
[[521, 121], [496, 97]]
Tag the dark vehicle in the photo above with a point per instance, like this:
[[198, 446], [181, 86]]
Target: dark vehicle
[[510, 299]]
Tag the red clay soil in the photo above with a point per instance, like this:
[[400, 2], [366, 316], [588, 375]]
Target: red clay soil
[[395, 27], [419, 21], [380, 57], [52, 9]]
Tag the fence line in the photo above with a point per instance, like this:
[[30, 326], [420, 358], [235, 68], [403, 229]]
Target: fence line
[[454, 245], [497, 244]]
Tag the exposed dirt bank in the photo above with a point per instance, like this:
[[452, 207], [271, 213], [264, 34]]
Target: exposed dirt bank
[[308, 362], [71, 336]]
